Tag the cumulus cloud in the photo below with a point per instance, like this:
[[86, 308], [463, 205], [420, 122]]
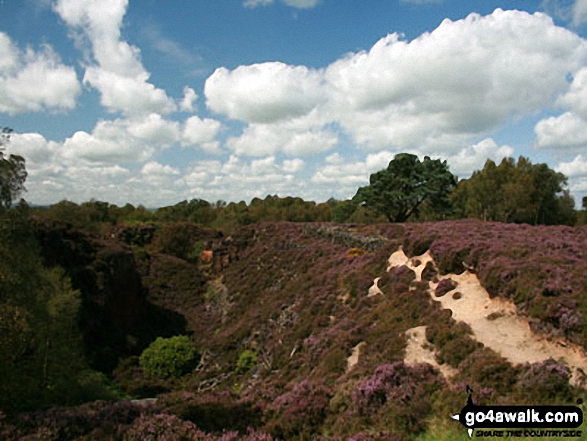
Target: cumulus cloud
[[264, 93], [293, 139], [565, 132], [472, 158], [351, 174], [457, 80], [202, 133], [119, 74], [34, 81], [189, 97], [214, 180], [122, 140], [577, 168], [437, 92]]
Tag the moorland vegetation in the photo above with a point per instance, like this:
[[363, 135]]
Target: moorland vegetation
[[216, 321]]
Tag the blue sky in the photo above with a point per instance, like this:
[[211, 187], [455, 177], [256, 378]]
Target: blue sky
[[152, 102]]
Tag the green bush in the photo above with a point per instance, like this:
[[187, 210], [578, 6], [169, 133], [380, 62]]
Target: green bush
[[247, 361], [169, 357]]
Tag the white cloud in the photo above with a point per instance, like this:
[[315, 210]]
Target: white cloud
[[33, 147], [438, 92], [122, 140], [577, 168], [157, 174], [119, 74], [264, 93], [34, 81], [294, 138], [565, 132], [349, 175], [133, 96], [455, 82], [293, 165], [240, 179], [189, 97], [472, 158], [154, 167], [575, 98], [155, 130], [202, 133]]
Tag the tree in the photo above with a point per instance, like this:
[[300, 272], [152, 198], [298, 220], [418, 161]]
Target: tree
[[407, 184], [12, 173], [519, 192]]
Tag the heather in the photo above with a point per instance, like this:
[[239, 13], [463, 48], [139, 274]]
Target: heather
[[541, 269], [267, 317]]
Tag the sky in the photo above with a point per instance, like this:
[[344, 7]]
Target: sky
[[153, 102]]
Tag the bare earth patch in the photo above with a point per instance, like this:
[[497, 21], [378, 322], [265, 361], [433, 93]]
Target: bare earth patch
[[420, 350], [354, 358], [374, 289], [496, 323]]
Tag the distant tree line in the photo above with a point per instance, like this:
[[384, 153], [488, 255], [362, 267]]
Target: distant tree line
[[407, 190]]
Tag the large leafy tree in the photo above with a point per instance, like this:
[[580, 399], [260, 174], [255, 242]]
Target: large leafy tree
[[12, 173], [406, 185], [519, 192]]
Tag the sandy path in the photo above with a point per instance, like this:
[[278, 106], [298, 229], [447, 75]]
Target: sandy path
[[419, 350], [506, 332]]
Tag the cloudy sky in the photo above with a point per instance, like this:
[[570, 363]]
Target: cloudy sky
[[152, 102]]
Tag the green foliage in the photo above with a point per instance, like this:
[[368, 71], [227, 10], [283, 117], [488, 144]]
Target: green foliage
[[407, 184], [247, 361], [519, 192], [343, 210], [41, 352], [169, 357]]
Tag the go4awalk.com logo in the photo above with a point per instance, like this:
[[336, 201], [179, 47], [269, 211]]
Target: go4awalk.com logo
[[520, 421]]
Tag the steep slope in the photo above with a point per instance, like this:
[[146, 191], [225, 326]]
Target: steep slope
[[495, 322]]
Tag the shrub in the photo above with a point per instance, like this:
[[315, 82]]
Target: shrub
[[545, 380], [169, 357], [444, 286], [429, 272], [161, 426], [212, 412], [452, 339], [397, 393], [489, 370], [247, 361], [301, 410], [392, 382]]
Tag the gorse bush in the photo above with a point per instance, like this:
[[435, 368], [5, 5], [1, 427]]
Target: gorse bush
[[169, 357]]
